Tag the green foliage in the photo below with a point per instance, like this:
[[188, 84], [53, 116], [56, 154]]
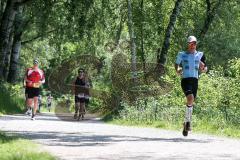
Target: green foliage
[[11, 100], [55, 31], [217, 106], [233, 68]]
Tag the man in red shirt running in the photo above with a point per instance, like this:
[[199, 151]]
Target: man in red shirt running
[[34, 77]]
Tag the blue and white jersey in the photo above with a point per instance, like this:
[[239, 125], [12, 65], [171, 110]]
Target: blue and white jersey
[[190, 63]]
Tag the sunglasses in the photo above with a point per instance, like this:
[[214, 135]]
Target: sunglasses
[[192, 43]]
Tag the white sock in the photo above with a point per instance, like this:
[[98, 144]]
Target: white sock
[[188, 115]]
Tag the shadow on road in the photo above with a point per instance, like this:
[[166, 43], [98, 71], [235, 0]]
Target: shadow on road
[[90, 139], [77, 139], [52, 117]]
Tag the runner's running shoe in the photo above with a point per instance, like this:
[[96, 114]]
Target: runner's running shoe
[[33, 117], [188, 126], [28, 112], [185, 129]]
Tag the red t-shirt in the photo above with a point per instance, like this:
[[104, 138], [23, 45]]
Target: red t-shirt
[[35, 76]]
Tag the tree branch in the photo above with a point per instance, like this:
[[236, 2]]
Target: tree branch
[[162, 54], [211, 12], [36, 37]]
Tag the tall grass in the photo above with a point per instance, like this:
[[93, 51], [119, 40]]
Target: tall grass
[[11, 100]]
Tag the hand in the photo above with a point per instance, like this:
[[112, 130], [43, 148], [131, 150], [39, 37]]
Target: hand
[[202, 67], [179, 71], [30, 82], [204, 70]]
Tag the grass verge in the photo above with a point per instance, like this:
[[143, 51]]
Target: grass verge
[[15, 148], [10, 102], [202, 126]]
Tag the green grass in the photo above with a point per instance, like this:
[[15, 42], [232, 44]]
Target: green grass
[[10, 103], [202, 126], [219, 129], [150, 124], [15, 148]]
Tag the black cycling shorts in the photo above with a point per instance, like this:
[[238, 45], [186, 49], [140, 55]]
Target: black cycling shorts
[[190, 86], [32, 92]]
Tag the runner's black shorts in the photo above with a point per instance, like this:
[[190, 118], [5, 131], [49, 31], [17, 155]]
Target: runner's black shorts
[[79, 100], [190, 86], [26, 92], [32, 92]]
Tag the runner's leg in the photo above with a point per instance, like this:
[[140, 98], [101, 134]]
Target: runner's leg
[[189, 108], [77, 106], [82, 109], [35, 107]]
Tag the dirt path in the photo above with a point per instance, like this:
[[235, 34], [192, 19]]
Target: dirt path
[[94, 140]]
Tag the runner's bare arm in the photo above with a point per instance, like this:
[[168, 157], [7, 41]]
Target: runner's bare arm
[[202, 66], [178, 69]]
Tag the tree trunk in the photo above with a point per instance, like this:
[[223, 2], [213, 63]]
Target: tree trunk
[[211, 12], [162, 54], [142, 40], [18, 27], [5, 30], [2, 6], [133, 44], [7, 57]]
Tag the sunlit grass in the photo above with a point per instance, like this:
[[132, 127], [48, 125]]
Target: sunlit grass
[[198, 127], [15, 148]]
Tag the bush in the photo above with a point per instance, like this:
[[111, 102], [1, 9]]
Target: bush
[[217, 102]]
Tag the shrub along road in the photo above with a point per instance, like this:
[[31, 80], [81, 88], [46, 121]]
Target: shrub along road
[[93, 140]]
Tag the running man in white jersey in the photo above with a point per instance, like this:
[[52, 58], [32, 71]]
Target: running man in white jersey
[[187, 65], [34, 78]]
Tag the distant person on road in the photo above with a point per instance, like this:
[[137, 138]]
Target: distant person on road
[[49, 102], [34, 78], [188, 64], [80, 91]]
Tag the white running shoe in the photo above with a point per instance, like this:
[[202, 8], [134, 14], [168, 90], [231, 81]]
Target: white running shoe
[[33, 117], [29, 112]]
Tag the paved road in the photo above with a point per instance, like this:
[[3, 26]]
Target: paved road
[[93, 140]]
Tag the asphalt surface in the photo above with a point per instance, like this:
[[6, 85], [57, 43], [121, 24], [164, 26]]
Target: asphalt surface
[[92, 139]]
